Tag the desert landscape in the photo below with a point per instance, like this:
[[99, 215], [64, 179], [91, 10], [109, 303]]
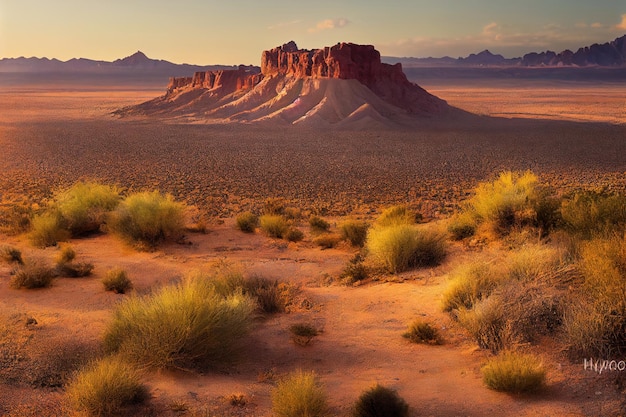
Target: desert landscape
[[372, 152]]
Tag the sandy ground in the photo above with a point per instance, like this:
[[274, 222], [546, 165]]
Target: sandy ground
[[56, 138]]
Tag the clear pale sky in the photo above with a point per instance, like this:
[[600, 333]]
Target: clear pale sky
[[236, 31]]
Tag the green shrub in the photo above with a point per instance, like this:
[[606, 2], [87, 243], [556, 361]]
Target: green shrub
[[515, 373], [11, 254], [247, 222], [298, 395], [318, 225], [294, 235], [47, 230], [84, 206], [355, 270], [149, 218], [470, 284], [380, 401], [106, 388], [327, 240], [354, 231], [302, 333], [591, 213], [462, 225], [402, 247], [397, 215], [185, 325], [421, 332], [274, 225], [117, 280], [33, 274]]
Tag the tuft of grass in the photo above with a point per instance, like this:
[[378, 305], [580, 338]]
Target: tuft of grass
[[354, 231], [33, 274], [270, 294], [247, 222], [274, 225], [486, 322], [318, 225], [470, 284], [85, 205], [514, 373], [67, 254], [302, 333], [463, 225], [185, 325], [117, 280], [397, 215], [11, 254], [294, 235], [422, 332], [47, 230], [106, 388], [355, 270], [299, 394], [327, 240], [68, 268], [380, 401], [591, 213], [532, 262], [404, 246], [148, 218]]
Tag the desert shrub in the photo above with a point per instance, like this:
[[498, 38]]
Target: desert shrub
[[397, 215], [422, 332], [486, 322], [247, 222], [66, 254], [355, 270], [462, 225], [592, 213], [185, 325], [84, 206], [117, 280], [403, 246], [533, 261], [15, 216], [47, 230], [294, 235], [515, 373], [292, 213], [354, 231], [470, 284], [318, 225], [327, 240], [268, 293], [148, 218], [11, 254], [274, 225], [274, 206], [302, 333], [299, 394], [75, 269], [106, 388], [33, 274], [380, 401]]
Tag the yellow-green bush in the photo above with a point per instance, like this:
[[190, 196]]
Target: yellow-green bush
[[106, 388], [298, 395], [274, 225], [47, 230], [318, 225], [592, 213], [247, 222], [148, 218], [515, 373], [397, 215], [117, 280], [422, 332], [463, 225], [354, 231], [470, 284], [185, 325]]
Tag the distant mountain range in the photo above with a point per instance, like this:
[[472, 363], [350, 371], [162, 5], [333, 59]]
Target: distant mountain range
[[610, 54]]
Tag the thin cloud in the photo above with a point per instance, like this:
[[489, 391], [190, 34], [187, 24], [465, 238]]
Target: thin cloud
[[330, 24], [622, 25], [597, 25], [284, 24]]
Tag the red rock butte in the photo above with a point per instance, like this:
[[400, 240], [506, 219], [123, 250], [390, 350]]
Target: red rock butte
[[339, 84]]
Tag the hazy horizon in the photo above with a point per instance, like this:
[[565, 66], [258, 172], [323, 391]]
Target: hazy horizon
[[231, 33]]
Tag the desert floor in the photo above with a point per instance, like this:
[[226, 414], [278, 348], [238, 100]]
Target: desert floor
[[51, 137]]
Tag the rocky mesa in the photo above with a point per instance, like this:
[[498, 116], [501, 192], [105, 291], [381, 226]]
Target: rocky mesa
[[339, 84]]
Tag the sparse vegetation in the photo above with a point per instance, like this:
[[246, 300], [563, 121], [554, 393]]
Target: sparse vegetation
[[274, 225], [380, 401], [422, 332], [11, 254], [592, 213], [68, 268], [117, 280], [302, 333], [318, 225], [106, 388], [463, 225], [327, 240], [355, 270], [515, 373], [294, 235], [148, 218], [47, 230], [470, 284], [299, 394], [185, 325], [486, 323], [35, 273], [354, 231], [247, 222], [397, 215]]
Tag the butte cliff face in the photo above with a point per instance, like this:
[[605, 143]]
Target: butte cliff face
[[345, 82]]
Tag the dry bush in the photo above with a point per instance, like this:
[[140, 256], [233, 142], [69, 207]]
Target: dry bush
[[355, 270], [35, 273], [354, 231], [380, 401], [149, 218], [404, 246], [486, 322], [397, 215], [515, 373], [66, 254], [462, 225], [422, 332], [299, 394], [15, 217], [302, 333], [117, 280], [47, 230], [294, 235], [271, 295], [470, 284], [66, 266], [274, 206], [247, 222], [107, 387], [185, 325], [327, 240], [11, 254], [318, 225], [592, 213], [533, 261], [274, 225]]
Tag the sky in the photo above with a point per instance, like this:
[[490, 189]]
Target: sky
[[234, 32]]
